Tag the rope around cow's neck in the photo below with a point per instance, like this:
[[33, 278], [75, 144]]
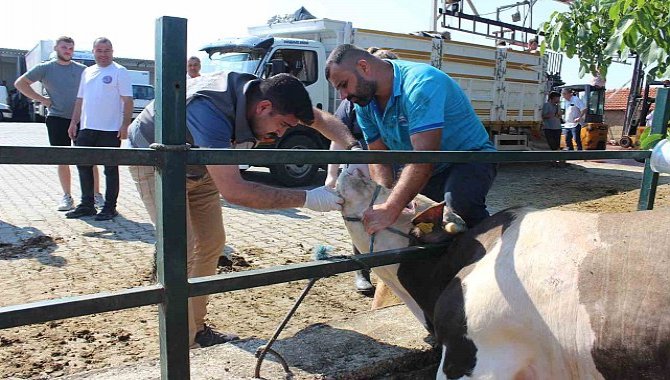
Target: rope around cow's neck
[[372, 236]]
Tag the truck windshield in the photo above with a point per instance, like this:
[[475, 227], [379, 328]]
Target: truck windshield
[[238, 62], [143, 92]]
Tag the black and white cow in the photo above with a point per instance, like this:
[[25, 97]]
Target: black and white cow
[[533, 294]]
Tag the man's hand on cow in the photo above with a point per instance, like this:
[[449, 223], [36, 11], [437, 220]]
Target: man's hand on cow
[[323, 199], [379, 217], [331, 181]]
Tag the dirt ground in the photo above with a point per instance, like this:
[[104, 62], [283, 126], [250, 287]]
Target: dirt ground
[[62, 347]]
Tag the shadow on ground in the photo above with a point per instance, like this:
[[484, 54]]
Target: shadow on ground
[[321, 349], [30, 243], [121, 229]]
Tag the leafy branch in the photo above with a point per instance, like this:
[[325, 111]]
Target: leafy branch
[[597, 31]]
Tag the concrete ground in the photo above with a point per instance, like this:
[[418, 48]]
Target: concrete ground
[[385, 344]]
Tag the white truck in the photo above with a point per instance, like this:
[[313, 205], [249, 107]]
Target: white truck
[[143, 91], [507, 88], [44, 51], [5, 110]]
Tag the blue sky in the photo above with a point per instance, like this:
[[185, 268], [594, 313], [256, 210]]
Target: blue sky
[[130, 24]]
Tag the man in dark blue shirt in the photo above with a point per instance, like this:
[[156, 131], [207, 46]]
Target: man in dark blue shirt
[[229, 110]]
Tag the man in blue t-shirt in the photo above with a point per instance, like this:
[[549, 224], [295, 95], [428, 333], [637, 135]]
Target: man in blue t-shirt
[[403, 105]]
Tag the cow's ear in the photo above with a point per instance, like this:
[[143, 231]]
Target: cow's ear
[[432, 214], [428, 221], [428, 226]]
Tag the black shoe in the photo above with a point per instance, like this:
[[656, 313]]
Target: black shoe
[[106, 214], [363, 284], [208, 337], [80, 211]]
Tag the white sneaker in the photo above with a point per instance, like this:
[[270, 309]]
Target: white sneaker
[[66, 204], [99, 200]]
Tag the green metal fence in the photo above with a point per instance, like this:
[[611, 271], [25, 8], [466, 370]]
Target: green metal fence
[[173, 289]]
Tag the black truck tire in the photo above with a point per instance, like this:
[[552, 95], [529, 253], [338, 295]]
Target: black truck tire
[[294, 175]]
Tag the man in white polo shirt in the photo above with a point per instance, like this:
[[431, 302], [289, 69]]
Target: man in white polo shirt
[[105, 106], [575, 109]]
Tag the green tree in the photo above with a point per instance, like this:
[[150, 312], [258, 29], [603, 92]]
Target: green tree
[[597, 31]]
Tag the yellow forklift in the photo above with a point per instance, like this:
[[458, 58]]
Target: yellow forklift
[[593, 131], [639, 105]]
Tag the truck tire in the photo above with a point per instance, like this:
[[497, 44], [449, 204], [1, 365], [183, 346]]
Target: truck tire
[[294, 175]]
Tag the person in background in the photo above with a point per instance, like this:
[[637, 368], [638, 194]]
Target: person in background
[[60, 78], [597, 79], [345, 112], [193, 67], [649, 119], [574, 114], [532, 45], [105, 107], [551, 120]]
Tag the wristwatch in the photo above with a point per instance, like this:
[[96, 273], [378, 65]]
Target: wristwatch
[[354, 144]]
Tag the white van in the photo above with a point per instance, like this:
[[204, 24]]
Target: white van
[[5, 110]]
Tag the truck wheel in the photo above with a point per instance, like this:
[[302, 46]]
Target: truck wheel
[[293, 175]]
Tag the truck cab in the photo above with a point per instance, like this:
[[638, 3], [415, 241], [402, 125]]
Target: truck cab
[[143, 91], [267, 56]]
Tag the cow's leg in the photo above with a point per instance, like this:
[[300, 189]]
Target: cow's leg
[[384, 296]]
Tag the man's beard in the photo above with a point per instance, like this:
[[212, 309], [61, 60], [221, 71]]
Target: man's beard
[[365, 91], [63, 58]]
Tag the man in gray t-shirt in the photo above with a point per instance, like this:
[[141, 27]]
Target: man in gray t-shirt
[[551, 120], [60, 78]]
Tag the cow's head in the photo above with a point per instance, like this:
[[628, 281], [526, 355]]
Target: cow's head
[[424, 220]]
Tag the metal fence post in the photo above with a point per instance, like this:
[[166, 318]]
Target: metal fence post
[[171, 196], [659, 125]]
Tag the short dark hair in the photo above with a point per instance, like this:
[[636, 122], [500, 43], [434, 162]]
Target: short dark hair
[[287, 95], [66, 39], [554, 94], [345, 54], [102, 40], [193, 57]]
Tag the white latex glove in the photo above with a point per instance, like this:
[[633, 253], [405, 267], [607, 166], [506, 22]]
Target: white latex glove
[[323, 199]]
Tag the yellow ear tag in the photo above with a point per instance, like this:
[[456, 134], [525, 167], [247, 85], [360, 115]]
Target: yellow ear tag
[[426, 228]]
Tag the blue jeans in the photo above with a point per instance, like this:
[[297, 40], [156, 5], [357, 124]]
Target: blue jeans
[[464, 188], [575, 132]]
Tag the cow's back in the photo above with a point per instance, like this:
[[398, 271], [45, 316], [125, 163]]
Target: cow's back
[[624, 285], [572, 295]]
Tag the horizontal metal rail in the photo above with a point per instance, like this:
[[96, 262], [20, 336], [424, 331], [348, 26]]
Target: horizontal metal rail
[[314, 269], [68, 307], [77, 306], [114, 156]]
